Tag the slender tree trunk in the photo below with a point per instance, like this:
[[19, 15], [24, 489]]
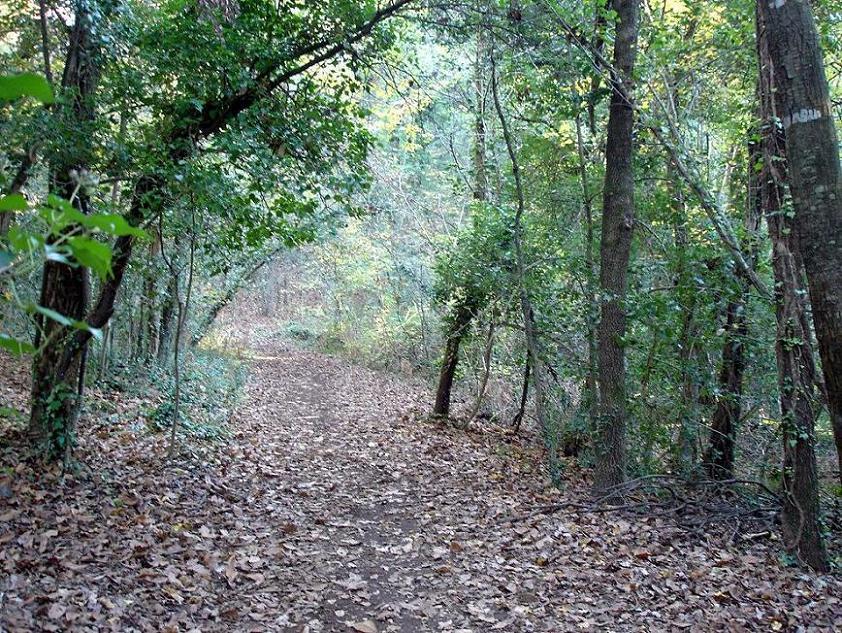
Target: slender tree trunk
[[524, 394], [480, 90], [183, 306], [719, 456], [150, 300], [460, 322], [720, 452], [234, 287], [796, 368], [167, 311], [533, 344], [615, 250], [21, 176], [802, 102], [592, 316], [462, 315], [598, 45], [486, 368]]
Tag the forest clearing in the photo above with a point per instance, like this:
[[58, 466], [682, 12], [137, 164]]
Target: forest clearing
[[420, 315]]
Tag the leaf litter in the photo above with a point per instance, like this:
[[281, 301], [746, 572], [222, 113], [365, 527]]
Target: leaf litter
[[335, 506]]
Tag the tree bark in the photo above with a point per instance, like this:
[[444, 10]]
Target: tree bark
[[719, 456], [55, 400], [524, 394], [802, 103], [793, 345], [461, 321], [615, 250], [167, 312]]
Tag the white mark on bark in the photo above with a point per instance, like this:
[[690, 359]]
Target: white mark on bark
[[777, 4], [802, 116]]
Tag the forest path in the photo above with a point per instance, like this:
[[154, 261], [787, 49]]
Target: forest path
[[334, 508], [383, 515], [385, 522]]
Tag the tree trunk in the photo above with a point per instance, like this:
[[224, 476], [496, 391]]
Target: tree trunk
[[533, 344], [55, 404], [152, 333], [592, 316], [802, 102], [167, 312], [524, 395], [233, 288], [64, 288], [615, 250], [686, 455], [462, 315], [480, 88], [486, 368], [793, 348], [719, 456], [461, 321]]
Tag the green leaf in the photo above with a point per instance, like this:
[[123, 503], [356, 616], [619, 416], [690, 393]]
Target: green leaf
[[23, 241], [55, 316], [112, 224], [15, 346], [14, 202], [92, 254], [25, 85], [63, 320], [59, 214]]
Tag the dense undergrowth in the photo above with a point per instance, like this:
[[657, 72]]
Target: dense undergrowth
[[140, 397]]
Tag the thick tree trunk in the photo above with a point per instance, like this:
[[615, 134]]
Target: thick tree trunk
[[802, 102], [64, 288], [55, 404], [615, 250], [796, 368]]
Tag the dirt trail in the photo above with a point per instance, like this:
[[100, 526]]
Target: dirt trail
[[334, 508]]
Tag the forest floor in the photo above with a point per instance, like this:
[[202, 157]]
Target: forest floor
[[333, 506]]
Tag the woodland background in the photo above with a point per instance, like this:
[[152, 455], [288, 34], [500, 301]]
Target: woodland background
[[442, 190]]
